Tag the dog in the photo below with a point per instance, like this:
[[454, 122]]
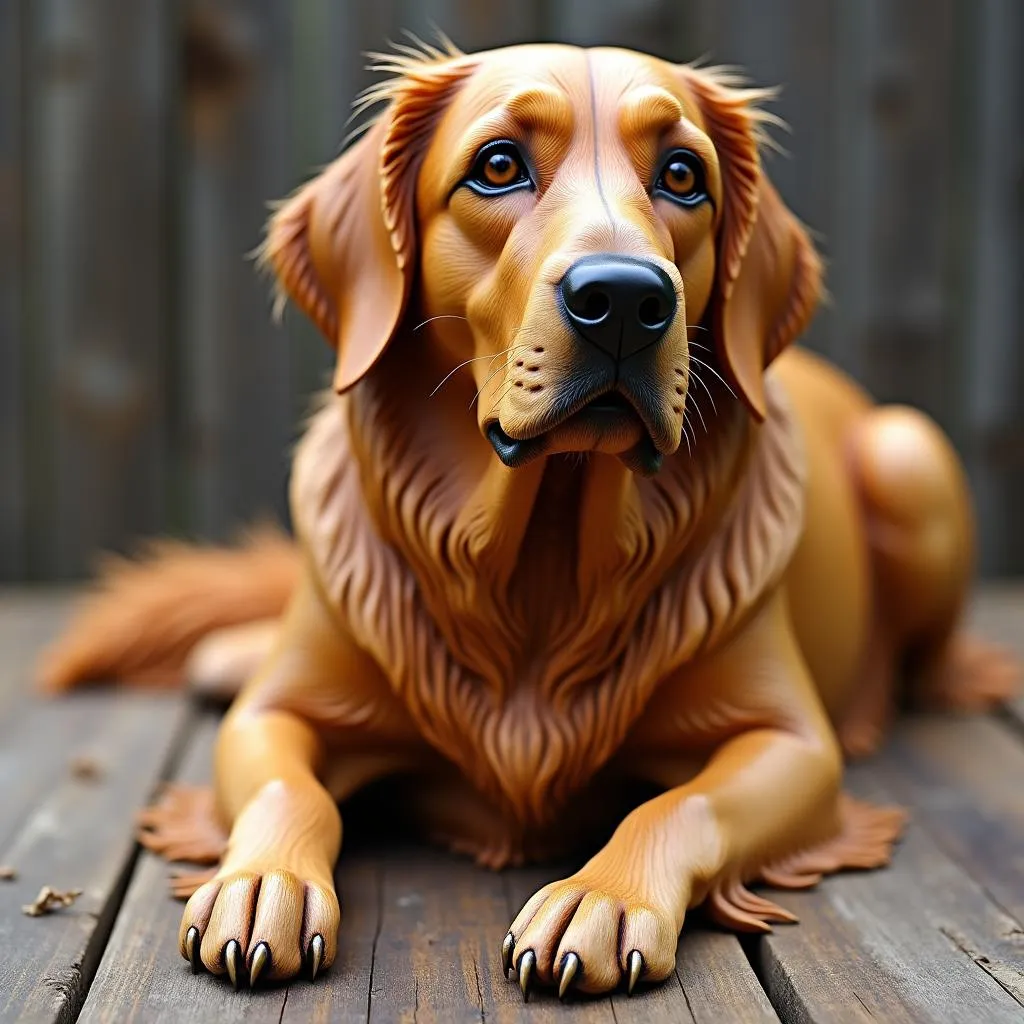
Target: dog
[[575, 519]]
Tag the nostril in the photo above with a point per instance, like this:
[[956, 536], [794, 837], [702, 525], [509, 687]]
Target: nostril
[[596, 306], [653, 311]]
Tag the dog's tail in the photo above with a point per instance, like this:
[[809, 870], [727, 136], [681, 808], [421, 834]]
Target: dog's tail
[[178, 613]]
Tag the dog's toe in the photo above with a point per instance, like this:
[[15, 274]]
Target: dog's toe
[[588, 938], [261, 926]]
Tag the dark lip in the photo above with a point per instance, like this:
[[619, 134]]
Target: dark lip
[[515, 452]]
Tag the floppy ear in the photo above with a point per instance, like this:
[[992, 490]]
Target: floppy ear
[[344, 246], [768, 275]]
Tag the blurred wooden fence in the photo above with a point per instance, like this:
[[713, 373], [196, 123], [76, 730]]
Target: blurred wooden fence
[[143, 388]]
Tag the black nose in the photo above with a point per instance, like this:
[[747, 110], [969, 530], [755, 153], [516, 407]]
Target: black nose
[[618, 303]]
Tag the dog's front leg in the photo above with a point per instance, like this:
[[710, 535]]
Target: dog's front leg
[[271, 907], [767, 791]]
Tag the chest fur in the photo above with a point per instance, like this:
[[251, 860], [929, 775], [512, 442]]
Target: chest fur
[[530, 683]]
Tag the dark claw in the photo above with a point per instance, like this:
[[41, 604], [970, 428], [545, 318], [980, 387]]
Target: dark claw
[[636, 965], [233, 961], [508, 946], [316, 956], [260, 959], [527, 962], [570, 965], [192, 944]]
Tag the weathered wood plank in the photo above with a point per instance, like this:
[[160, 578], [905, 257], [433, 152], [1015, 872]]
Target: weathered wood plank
[[326, 73], [790, 45], [13, 338], [917, 942], [429, 962], [962, 779], [98, 120], [649, 25], [719, 983], [345, 994], [472, 24], [75, 832], [236, 402], [28, 621], [996, 612], [893, 94], [989, 261]]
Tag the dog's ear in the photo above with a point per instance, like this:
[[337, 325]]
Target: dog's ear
[[344, 246], [768, 279]]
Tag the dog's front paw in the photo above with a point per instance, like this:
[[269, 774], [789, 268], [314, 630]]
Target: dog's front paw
[[587, 935], [261, 926]]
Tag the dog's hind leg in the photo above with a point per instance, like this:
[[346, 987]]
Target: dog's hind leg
[[222, 661], [920, 531]]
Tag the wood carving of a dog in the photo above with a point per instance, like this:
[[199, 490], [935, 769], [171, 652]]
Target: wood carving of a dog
[[573, 520]]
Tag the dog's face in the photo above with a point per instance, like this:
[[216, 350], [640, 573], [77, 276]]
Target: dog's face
[[567, 219], [565, 198]]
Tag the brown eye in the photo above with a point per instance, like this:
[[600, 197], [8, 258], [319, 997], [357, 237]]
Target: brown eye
[[499, 167], [682, 178]]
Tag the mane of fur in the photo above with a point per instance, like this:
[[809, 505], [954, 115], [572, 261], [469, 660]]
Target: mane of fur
[[530, 726]]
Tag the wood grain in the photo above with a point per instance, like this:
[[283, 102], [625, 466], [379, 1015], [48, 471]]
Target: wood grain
[[13, 442], [789, 45], [988, 262], [918, 942], [236, 406], [996, 612], [69, 832], [28, 621], [962, 780], [96, 233]]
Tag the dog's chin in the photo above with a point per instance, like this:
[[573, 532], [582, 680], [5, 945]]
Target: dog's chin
[[607, 425]]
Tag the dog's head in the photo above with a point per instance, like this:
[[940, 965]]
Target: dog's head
[[566, 219]]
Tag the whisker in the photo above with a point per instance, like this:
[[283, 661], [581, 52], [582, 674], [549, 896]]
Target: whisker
[[716, 373], [466, 362], [440, 316], [700, 381], [501, 398], [483, 387], [487, 380], [700, 414], [686, 438]]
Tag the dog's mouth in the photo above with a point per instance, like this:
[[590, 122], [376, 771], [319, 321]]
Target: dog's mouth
[[608, 423]]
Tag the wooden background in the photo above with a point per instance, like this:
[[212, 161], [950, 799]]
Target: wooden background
[[143, 388]]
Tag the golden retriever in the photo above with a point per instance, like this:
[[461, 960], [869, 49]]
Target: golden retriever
[[558, 532]]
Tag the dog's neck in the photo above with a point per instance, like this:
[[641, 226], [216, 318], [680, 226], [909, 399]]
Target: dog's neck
[[556, 557]]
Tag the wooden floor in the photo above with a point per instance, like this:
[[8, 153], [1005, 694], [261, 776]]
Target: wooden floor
[[937, 937]]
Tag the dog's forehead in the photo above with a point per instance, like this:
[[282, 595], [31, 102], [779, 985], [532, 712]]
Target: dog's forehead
[[596, 81]]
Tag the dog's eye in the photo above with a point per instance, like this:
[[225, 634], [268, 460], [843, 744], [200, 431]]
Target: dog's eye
[[682, 178], [498, 167]]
